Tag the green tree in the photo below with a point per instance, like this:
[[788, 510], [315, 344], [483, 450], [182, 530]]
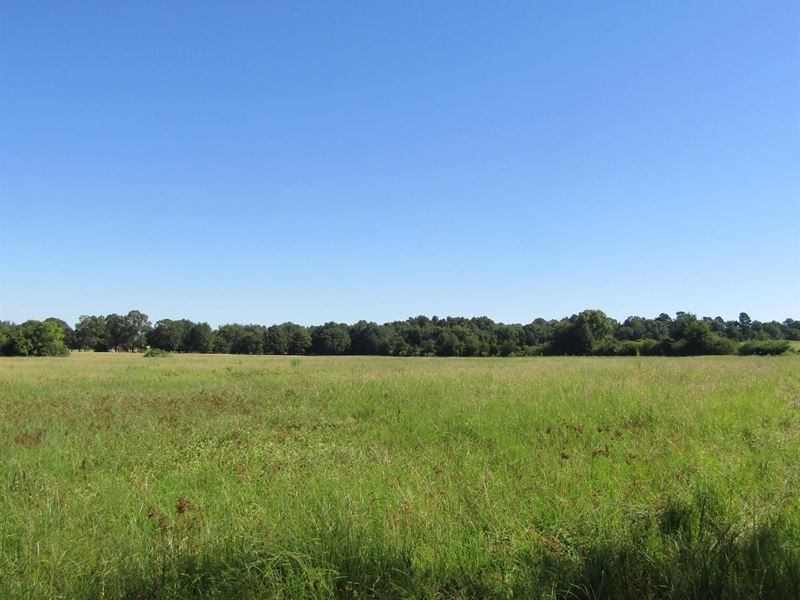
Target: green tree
[[199, 338], [6, 330], [128, 332], [277, 340], [694, 337], [16, 342], [119, 333], [578, 334], [138, 327], [599, 324], [539, 332], [448, 344], [225, 337], [791, 329], [250, 341], [330, 338], [367, 338], [69, 333], [91, 333], [34, 338], [299, 338], [509, 339], [168, 335], [745, 321], [47, 339]]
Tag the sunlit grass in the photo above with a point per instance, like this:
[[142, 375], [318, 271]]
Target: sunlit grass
[[229, 476]]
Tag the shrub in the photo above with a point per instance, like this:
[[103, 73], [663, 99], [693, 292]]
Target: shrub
[[630, 348], [537, 350], [715, 344], [157, 353], [607, 346], [33, 338], [764, 347], [654, 348]]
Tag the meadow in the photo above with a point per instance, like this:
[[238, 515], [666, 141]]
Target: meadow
[[272, 476]]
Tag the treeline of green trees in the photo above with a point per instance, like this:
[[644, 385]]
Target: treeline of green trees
[[590, 332]]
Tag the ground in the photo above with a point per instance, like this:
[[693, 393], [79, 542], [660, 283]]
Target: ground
[[239, 476]]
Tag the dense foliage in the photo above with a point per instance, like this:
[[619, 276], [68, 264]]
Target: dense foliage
[[764, 347], [35, 338], [590, 332]]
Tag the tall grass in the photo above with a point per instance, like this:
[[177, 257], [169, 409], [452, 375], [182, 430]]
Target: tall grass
[[261, 477]]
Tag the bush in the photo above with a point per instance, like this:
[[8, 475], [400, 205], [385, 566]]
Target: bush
[[157, 353], [708, 343], [607, 346], [630, 348], [33, 338], [537, 350], [764, 347], [719, 345], [653, 347]]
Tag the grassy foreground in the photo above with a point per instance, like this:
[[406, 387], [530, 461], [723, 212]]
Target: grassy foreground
[[259, 477]]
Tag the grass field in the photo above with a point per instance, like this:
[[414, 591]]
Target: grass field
[[259, 477]]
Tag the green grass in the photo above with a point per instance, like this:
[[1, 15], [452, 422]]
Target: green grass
[[259, 477]]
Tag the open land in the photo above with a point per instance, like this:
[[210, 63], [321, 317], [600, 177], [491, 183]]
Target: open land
[[274, 476]]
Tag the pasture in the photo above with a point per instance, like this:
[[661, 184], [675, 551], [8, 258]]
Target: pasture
[[262, 476]]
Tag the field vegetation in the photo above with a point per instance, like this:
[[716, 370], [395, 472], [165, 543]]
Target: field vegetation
[[228, 476]]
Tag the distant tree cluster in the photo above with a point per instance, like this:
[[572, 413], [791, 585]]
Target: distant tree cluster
[[590, 332], [35, 338]]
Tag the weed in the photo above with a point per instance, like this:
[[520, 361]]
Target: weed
[[380, 478]]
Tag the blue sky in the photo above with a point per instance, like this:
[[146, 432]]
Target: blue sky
[[314, 161]]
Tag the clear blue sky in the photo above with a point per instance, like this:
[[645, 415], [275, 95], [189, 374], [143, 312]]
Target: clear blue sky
[[314, 161]]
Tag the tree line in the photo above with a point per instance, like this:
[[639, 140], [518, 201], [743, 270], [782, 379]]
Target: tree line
[[590, 332]]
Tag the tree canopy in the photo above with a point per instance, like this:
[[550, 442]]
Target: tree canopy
[[590, 332]]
